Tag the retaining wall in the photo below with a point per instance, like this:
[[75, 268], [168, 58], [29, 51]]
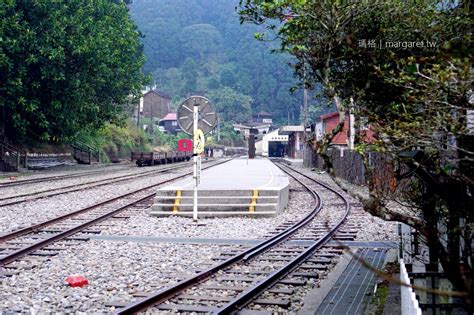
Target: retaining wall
[[349, 166]]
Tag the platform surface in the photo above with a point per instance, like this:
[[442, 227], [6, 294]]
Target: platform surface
[[248, 187], [239, 173], [352, 291]]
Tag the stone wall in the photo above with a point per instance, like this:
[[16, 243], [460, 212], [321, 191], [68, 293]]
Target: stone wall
[[349, 166], [310, 159]]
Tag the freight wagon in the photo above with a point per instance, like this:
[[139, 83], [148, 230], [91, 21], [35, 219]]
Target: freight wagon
[[155, 158]]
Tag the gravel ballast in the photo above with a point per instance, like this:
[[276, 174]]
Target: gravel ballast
[[117, 269], [36, 211]]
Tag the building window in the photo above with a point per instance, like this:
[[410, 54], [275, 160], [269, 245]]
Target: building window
[[174, 123]]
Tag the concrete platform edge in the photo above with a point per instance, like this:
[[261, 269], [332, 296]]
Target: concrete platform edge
[[315, 297]]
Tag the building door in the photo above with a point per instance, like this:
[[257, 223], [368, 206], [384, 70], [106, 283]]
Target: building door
[[276, 149]]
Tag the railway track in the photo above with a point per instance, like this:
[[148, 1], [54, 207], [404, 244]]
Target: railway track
[[15, 199], [37, 239], [20, 182], [263, 275]]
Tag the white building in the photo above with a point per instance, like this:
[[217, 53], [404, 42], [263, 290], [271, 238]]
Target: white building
[[244, 128], [272, 144]]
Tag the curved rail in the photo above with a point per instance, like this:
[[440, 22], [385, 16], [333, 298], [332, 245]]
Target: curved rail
[[62, 235], [247, 296], [244, 298]]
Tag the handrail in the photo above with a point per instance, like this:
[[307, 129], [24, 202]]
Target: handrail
[[87, 151], [11, 147], [15, 155]]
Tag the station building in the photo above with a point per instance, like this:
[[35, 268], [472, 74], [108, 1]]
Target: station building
[[244, 128], [261, 121], [295, 145], [286, 141], [272, 144]]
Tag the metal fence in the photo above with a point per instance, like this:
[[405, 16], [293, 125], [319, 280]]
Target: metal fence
[[410, 304]]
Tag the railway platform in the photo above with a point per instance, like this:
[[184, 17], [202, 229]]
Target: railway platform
[[240, 187]]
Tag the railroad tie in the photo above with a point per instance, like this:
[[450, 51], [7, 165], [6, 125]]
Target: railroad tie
[[253, 202], [176, 201]]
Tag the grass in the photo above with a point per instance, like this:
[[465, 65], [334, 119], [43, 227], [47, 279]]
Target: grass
[[380, 296]]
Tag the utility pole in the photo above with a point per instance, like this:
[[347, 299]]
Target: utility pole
[[351, 126], [218, 129], [140, 103], [195, 163], [305, 103]]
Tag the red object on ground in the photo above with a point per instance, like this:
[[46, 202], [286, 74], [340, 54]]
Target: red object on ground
[[12, 177], [185, 145], [77, 281]]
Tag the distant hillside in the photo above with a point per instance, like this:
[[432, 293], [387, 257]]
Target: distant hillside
[[200, 46]]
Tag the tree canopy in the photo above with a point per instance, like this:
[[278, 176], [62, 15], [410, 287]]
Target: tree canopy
[[232, 105], [66, 66], [225, 53], [406, 66]]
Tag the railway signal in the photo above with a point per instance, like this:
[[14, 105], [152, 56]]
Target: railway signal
[[206, 119], [197, 117]]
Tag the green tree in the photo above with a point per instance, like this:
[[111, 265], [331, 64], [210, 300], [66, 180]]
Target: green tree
[[200, 39], [172, 80], [213, 83], [228, 77], [65, 66], [226, 53], [407, 66], [229, 136], [231, 105], [190, 74]]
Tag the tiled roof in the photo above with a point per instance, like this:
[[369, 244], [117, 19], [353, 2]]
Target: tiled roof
[[169, 116], [158, 92], [329, 115]]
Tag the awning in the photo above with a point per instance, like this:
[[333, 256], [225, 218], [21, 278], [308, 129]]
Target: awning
[[288, 130]]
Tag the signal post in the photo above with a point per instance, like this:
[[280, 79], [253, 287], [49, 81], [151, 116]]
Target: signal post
[[196, 117]]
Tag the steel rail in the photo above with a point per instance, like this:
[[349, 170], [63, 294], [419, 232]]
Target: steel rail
[[29, 249], [100, 182], [55, 177], [38, 226], [250, 294], [56, 237], [169, 292]]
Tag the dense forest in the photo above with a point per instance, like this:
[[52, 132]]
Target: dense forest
[[199, 46]]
